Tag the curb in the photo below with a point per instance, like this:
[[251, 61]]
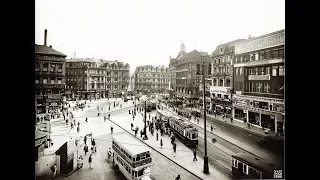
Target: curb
[[157, 151]]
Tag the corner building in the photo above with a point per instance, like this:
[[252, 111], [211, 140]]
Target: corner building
[[259, 81]]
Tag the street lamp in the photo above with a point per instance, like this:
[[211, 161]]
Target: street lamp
[[205, 164], [145, 121]]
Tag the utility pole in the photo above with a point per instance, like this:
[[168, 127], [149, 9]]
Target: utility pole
[[145, 121], [205, 165]]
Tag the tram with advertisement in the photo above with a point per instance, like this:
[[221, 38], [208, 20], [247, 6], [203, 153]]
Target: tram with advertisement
[[184, 130], [247, 166], [133, 158]]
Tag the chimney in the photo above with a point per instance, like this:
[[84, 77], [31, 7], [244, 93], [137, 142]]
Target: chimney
[[45, 37], [50, 46]]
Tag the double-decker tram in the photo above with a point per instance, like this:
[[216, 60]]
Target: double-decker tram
[[247, 166], [131, 157], [184, 130]]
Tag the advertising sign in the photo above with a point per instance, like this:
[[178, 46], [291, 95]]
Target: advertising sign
[[219, 90], [259, 77]]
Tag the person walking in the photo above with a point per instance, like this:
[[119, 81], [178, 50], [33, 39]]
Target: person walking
[[111, 129], [195, 155], [149, 116], [174, 147], [211, 128], [109, 107], [161, 143], [78, 129], [178, 177], [85, 149], [157, 135], [78, 124], [105, 118], [131, 126], [109, 116], [90, 162], [133, 117], [93, 143]]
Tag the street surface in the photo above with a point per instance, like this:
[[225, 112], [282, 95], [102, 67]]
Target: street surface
[[62, 132]]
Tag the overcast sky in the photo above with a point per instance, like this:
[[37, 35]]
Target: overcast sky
[[142, 32]]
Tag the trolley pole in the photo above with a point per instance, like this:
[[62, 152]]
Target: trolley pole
[[145, 120], [205, 165]]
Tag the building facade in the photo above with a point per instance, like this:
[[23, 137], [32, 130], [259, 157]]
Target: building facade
[[222, 78], [259, 81], [96, 78], [49, 78], [151, 79]]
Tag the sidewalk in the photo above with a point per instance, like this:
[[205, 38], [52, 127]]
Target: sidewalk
[[183, 156], [253, 148]]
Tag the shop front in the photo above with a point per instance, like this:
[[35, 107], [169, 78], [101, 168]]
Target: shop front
[[261, 112], [220, 100]]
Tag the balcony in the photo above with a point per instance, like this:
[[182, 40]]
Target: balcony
[[60, 70]]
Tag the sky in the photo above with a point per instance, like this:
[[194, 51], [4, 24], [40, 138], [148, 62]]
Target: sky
[[148, 32]]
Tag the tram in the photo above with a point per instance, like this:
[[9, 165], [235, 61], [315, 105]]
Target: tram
[[184, 130], [247, 166], [153, 104], [133, 158]]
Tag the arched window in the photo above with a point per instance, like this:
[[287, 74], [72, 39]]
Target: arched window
[[214, 82], [221, 82], [228, 83]]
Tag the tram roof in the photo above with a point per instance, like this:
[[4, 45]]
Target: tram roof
[[131, 145], [255, 162]]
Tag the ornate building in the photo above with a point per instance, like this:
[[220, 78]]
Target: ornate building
[[259, 81], [96, 78], [49, 77], [222, 78], [151, 78]]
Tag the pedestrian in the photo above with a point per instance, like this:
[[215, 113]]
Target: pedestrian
[[109, 107], [161, 143], [120, 105], [211, 128], [93, 143], [141, 133], [54, 170], [78, 124], [109, 116], [131, 126], [198, 120], [78, 129], [133, 117], [149, 116], [86, 149], [90, 162], [157, 136], [105, 118], [178, 177], [85, 139], [86, 119], [174, 147], [111, 129], [135, 132], [195, 155]]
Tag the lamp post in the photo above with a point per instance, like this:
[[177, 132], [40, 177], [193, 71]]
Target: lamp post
[[205, 163], [145, 121]]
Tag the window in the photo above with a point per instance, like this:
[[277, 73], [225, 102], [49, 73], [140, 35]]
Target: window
[[246, 72], [268, 54], [235, 163], [274, 70], [262, 70], [228, 82], [281, 53], [256, 56], [237, 85], [53, 68], [240, 71], [253, 87], [220, 69], [52, 80], [241, 59], [281, 71], [259, 86], [275, 53], [257, 71], [45, 67], [221, 82], [44, 80], [116, 79], [251, 71], [249, 87], [251, 57], [228, 69], [262, 55], [245, 168], [267, 70], [266, 88], [240, 85], [59, 80], [237, 71]]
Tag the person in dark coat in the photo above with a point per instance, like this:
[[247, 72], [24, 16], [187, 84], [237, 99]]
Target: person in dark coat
[[86, 149], [195, 155], [174, 147], [90, 162], [85, 140], [161, 143], [157, 136]]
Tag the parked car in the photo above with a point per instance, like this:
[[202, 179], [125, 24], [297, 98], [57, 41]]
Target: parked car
[[196, 113]]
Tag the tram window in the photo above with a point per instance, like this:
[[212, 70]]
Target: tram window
[[148, 155], [138, 158], [245, 168], [193, 136], [235, 163], [133, 159], [254, 173]]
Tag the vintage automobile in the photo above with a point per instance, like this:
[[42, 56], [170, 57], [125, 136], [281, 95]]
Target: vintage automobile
[[196, 113]]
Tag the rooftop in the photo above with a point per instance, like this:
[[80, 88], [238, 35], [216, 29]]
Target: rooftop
[[131, 145], [45, 50]]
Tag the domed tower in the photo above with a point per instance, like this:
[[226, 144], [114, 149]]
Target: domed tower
[[182, 51]]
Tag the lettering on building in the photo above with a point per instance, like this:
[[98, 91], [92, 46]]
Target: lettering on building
[[261, 43], [259, 77]]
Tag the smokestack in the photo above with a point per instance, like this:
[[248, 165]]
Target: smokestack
[[45, 37]]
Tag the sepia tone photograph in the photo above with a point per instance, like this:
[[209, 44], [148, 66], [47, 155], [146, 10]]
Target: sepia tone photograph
[[159, 89]]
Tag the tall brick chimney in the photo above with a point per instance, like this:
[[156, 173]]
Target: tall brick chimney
[[45, 37]]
